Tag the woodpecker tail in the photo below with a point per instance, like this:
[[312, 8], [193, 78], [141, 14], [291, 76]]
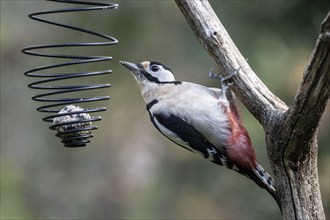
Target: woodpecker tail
[[260, 176]]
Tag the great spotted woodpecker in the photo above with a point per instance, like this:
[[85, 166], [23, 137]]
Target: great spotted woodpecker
[[200, 119]]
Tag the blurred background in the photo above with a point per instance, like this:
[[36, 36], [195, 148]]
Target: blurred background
[[129, 170]]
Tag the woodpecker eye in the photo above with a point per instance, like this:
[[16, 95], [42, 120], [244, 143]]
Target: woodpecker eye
[[154, 68]]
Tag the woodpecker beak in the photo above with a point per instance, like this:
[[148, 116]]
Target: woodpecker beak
[[135, 68]]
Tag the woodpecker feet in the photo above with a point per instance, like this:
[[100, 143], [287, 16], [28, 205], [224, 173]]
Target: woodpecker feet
[[225, 80], [213, 75]]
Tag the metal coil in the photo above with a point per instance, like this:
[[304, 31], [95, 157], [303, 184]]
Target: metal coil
[[72, 123]]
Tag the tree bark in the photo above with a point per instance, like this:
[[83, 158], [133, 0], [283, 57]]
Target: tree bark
[[291, 132]]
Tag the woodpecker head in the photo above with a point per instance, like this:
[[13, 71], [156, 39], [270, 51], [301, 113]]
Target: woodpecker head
[[149, 72]]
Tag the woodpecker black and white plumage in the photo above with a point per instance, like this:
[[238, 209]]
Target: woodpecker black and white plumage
[[201, 119]]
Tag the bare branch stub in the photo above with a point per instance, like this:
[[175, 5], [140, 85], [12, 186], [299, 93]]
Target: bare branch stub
[[304, 115]]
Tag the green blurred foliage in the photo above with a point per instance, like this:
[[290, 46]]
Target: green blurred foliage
[[129, 170]]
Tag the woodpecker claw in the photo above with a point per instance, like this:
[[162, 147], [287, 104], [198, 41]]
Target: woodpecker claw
[[213, 75], [224, 79]]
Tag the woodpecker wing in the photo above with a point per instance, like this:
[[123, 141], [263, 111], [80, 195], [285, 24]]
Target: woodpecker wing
[[180, 132], [185, 135]]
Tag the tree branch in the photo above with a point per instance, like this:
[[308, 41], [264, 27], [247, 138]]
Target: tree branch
[[216, 41], [291, 133], [304, 115], [300, 127]]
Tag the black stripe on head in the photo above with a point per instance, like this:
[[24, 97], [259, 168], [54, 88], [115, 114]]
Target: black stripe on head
[[156, 80], [150, 77], [160, 64]]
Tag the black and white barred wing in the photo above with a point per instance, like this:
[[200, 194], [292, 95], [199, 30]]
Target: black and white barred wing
[[185, 135]]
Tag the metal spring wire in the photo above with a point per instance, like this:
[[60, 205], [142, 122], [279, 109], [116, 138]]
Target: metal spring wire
[[81, 139]]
